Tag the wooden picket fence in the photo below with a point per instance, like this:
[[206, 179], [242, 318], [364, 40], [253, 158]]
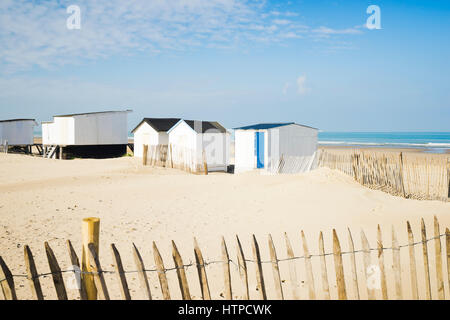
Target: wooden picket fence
[[345, 281], [172, 156], [410, 175]]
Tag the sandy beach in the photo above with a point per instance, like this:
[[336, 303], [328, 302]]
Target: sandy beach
[[45, 200]]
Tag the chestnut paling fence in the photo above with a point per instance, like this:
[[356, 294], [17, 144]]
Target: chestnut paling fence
[[173, 156], [93, 284], [406, 174]]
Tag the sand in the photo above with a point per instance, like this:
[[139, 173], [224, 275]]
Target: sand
[[45, 200]]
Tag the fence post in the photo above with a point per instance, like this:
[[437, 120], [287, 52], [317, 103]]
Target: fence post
[[76, 265], [9, 291], [412, 262], [226, 271], [120, 273], [323, 262], [381, 264], [438, 251], [58, 280], [144, 155], [353, 264], [447, 244], [425, 260], [308, 267], [141, 272], [206, 295], [184, 287], [275, 269], [242, 268], [90, 231], [339, 267], [396, 265], [33, 277], [259, 272], [161, 272], [292, 271], [98, 272], [367, 265]]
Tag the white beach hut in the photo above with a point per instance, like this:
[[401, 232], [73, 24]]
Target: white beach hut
[[17, 133], [152, 132], [276, 147], [94, 134], [205, 141]]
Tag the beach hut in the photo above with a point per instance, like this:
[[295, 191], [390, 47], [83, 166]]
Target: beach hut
[[17, 133], [152, 132], [200, 142], [276, 147], [86, 135]]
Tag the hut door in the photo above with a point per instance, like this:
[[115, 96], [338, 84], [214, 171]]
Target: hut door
[[259, 149]]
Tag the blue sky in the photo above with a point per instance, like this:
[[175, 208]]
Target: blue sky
[[238, 62]]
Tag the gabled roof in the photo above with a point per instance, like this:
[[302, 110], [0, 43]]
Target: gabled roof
[[263, 126], [14, 120], [203, 126], [159, 124], [88, 113], [199, 126]]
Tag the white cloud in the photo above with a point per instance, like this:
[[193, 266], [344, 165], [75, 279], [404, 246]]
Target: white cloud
[[301, 85], [34, 33], [329, 31]]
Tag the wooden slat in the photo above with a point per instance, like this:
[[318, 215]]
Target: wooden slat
[[261, 287], [8, 289], [206, 295], [96, 268], [184, 287], [275, 269], [353, 265], [226, 271], [32, 274], [412, 262], [396, 266], [447, 244], [120, 273], [339, 267], [77, 270], [242, 268], [292, 270], [380, 248], [367, 266], [57, 277], [323, 263], [161, 272], [143, 279], [425, 260], [438, 251], [308, 268]]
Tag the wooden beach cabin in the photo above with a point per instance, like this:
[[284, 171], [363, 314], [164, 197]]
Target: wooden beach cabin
[[272, 146], [152, 132], [17, 133], [204, 141], [86, 135]]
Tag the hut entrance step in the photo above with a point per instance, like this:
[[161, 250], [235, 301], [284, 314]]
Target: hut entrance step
[[50, 151]]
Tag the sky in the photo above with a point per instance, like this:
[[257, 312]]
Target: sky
[[238, 62]]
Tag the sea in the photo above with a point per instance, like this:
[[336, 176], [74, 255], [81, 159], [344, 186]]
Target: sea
[[434, 142]]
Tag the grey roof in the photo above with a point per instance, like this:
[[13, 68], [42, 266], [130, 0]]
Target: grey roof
[[159, 124], [263, 126], [87, 113], [203, 126], [14, 120]]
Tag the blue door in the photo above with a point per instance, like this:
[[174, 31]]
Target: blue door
[[259, 149]]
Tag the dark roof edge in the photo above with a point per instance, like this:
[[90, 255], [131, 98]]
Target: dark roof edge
[[275, 125], [14, 120], [87, 113], [149, 123]]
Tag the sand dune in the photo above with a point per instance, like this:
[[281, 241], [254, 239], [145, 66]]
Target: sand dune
[[45, 200]]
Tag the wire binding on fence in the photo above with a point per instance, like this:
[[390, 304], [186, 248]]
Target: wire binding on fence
[[205, 264]]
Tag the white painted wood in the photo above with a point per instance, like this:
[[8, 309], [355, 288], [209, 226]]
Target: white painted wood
[[17, 133], [105, 128]]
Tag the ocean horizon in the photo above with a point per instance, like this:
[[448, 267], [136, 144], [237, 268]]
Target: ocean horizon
[[438, 142]]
